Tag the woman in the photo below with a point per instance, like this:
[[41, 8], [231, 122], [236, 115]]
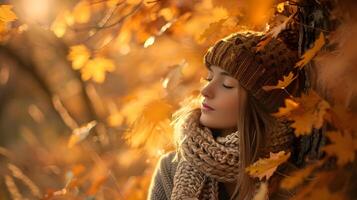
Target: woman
[[233, 127]]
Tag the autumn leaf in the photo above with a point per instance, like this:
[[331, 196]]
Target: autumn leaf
[[96, 69], [82, 12], [265, 167], [308, 112], [309, 54], [297, 177], [80, 133], [262, 193], [61, 22], [281, 83], [273, 33], [343, 146], [152, 128], [6, 13], [174, 77], [218, 29], [290, 105], [78, 55]]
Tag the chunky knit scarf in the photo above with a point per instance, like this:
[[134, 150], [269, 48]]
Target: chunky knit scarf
[[205, 160]]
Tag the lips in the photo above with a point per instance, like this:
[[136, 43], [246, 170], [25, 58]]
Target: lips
[[206, 106]]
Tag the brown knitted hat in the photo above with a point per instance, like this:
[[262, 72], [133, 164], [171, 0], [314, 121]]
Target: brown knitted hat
[[238, 55]]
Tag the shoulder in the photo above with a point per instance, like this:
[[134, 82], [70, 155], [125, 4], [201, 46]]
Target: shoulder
[[162, 180], [167, 164]]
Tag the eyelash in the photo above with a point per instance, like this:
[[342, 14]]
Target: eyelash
[[228, 87]]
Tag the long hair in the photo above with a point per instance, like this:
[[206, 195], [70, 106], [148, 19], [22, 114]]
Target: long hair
[[254, 124]]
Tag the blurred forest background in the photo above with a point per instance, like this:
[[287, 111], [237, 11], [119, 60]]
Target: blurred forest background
[[88, 87]]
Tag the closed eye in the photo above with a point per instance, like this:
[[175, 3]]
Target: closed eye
[[226, 86]]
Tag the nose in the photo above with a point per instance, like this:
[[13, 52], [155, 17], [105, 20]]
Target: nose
[[207, 91]]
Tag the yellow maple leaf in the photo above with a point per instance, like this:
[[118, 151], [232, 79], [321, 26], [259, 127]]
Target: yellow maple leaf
[[265, 167], [310, 114], [281, 83], [152, 130], [309, 54], [343, 146], [78, 55], [80, 133], [290, 105], [59, 25], [82, 12], [96, 69], [6, 13]]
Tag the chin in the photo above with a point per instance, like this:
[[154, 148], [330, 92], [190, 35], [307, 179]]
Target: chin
[[206, 121]]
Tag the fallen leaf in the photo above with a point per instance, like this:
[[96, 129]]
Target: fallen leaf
[[6, 13], [309, 54], [290, 105], [273, 33], [265, 167], [78, 55], [82, 12], [343, 146], [96, 69], [281, 83]]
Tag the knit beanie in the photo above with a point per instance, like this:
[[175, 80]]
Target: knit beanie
[[238, 54]]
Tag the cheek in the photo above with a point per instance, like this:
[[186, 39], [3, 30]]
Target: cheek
[[226, 113], [228, 107]]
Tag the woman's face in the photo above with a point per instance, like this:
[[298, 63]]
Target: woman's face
[[220, 104]]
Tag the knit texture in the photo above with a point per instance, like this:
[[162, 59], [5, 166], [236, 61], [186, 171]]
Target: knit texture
[[238, 54], [203, 161]]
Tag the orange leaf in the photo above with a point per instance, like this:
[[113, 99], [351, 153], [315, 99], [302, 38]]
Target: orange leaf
[[79, 55], [266, 167], [309, 54], [281, 83], [290, 105], [273, 33], [6, 13], [343, 147], [152, 129], [310, 113], [82, 12], [96, 68]]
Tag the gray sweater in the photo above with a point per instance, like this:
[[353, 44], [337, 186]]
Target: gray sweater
[[161, 184], [162, 179]]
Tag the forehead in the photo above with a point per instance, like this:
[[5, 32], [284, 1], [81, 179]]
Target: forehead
[[216, 69]]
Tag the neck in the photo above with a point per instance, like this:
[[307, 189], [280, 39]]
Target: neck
[[223, 132]]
